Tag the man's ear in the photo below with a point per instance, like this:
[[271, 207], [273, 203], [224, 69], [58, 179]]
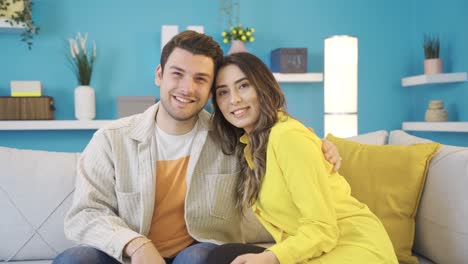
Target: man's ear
[[158, 75]]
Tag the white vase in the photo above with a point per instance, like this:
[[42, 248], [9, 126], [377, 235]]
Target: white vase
[[237, 46], [85, 103]]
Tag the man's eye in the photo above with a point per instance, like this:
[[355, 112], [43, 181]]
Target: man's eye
[[202, 80]]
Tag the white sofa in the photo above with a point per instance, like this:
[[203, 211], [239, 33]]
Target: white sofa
[[36, 190]]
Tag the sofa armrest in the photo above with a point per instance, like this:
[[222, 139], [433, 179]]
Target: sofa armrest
[[35, 193], [441, 229]]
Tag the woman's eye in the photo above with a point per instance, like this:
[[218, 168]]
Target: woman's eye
[[221, 93], [244, 85]]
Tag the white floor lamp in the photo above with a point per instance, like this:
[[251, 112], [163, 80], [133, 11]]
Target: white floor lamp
[[341, 79]]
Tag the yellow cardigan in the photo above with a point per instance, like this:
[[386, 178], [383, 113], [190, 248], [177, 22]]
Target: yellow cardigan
[[301, 203]]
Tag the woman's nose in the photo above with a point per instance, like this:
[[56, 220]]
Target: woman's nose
[[235, 98]]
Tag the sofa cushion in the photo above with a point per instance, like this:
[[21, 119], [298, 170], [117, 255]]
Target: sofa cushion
[[441, 222], [389, 179], [35, 193], [374, 138]]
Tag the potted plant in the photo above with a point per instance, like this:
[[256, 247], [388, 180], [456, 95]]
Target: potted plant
[[19, 17], [81, 60], [432, 62], [236, 34]]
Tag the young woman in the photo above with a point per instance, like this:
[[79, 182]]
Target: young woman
[[286, 181]]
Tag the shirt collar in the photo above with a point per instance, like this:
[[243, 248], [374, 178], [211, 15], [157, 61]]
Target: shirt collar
[[244, 139], [247, 155]]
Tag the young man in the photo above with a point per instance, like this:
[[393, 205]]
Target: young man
[[155, 187]]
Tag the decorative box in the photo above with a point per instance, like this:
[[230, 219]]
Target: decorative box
[[130, 105], [289, 60], [27, 108]]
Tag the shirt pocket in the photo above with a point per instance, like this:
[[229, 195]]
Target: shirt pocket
[[129, 209], [222, 195]]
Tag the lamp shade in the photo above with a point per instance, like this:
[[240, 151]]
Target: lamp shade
[[341, 79]]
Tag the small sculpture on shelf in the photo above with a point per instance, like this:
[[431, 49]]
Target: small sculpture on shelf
[[436, 112]]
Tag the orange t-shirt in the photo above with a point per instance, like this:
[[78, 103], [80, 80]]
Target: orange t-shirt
[[168, 229]]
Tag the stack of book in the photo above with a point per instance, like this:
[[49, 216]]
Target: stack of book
[[26, 88]]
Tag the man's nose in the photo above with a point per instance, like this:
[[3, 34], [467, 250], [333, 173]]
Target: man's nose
[[187, 85]]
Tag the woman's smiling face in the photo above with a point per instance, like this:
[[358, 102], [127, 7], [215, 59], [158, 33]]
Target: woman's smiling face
[[237, 98]]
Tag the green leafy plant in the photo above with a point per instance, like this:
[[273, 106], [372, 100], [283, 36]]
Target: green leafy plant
[[81, 59], [431, 46], [21, 17]]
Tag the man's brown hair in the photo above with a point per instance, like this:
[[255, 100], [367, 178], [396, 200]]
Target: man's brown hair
[[196, 43]]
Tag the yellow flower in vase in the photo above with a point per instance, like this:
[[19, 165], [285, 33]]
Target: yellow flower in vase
[[238, 33]]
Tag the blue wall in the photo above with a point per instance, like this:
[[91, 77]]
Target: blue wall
[[128, 41]]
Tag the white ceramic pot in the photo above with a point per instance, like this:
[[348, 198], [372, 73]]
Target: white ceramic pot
[[85, 103]]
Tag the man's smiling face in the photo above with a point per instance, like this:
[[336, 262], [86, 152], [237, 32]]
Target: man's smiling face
[[185, 84]]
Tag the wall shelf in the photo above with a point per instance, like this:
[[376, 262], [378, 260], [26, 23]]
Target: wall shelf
[[298, 77], [52, 124], [436, 126], [5, 27], [434, 78]]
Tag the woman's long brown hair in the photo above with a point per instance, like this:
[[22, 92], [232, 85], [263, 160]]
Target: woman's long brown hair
[[271, 100]]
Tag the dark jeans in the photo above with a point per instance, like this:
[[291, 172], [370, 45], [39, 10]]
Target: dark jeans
[[193, 254], [84, 254], [226, 253]]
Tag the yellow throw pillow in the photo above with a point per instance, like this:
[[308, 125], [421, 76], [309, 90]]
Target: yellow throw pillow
[[390, 180]]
